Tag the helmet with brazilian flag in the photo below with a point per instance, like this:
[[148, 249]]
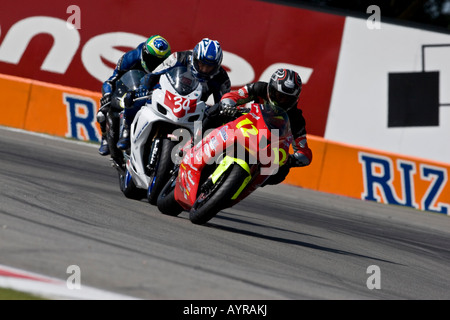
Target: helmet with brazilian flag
[[155, 50]]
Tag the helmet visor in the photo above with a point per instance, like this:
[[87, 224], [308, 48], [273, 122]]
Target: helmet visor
[[204, 70], [286, 101], [151, 61]]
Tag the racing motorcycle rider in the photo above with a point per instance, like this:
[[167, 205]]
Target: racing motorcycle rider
[[205, 62], [283, 90], [146, 57]]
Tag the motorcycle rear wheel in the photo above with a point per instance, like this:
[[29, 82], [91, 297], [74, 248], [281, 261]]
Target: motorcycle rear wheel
[[214, 199]]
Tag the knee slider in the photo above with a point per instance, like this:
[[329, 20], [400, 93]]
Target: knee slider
[[101, 117]]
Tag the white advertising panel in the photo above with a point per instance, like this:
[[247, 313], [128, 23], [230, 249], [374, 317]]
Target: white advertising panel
[[392, 90]]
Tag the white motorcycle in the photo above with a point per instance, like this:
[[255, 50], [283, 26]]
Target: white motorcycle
[[175, 103]]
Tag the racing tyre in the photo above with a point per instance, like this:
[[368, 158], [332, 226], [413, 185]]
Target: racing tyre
[[216, 197], [162, 171], [166, 199], [112, 137], [128, 187]]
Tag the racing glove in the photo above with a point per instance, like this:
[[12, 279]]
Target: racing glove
[[302, 153], [213, 111], [105, 100], [149, 81], [127, 99], [228, 107], [136, 97], [142, 92]]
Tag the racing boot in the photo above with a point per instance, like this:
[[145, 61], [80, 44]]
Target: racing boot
[[124, 140], [101, 119], [104, 148]]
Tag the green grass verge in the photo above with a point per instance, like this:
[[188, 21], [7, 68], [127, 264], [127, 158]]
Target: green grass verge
[[9, 294]]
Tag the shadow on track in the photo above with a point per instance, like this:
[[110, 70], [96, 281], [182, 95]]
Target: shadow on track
[[284, 240]]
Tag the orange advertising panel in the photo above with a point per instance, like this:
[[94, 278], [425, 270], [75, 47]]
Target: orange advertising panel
[[15, 94], [309, 177], [63, 111], [47, 108], [385, 177], [341, 174]]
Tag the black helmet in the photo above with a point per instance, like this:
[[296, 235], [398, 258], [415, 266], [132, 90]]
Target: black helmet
[[284, 88]]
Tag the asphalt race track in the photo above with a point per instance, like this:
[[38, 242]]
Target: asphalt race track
[[60, 205]]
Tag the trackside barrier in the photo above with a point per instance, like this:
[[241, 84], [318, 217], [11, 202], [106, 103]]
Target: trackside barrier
[[337, 168], [375, 175], [47, 108], [15, 93]]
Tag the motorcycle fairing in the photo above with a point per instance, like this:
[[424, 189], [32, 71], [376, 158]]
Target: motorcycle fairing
[[246, 130], [182, 95]]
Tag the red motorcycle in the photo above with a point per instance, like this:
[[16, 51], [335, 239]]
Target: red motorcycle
[[228, 164]]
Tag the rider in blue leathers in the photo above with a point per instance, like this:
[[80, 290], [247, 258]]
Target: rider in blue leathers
[[205, 62], [146, 57]]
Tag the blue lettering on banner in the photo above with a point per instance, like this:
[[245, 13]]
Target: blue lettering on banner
[[81, 117], [407, 170], [438, 176], [378, 174], [381, 179]]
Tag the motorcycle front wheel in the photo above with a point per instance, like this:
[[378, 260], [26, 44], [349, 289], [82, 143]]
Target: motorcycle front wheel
[[216, 197], [112, 136], [128, 187], [162, 171], [166, 199]]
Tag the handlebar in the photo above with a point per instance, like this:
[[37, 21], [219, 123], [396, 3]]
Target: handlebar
[[142, 98]]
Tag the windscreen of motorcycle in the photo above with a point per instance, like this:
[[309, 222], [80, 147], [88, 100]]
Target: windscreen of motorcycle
[[275, 118], [131, 79], [128, 82], [182, 80]]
